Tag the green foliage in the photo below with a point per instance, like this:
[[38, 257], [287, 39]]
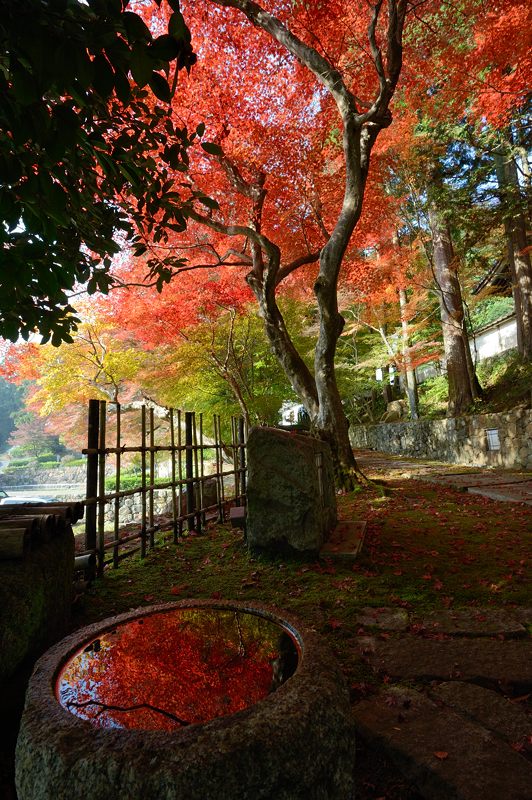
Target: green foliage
[[506, 379], [43, 458], [489, 310], [226, 367], [82, 154], [433, 395], [16, 463]]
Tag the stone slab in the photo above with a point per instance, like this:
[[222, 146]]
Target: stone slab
[[520, 493], [445, 755], [482, 479], [386, 619], [490, 709], [483, 661], [476, 622], [345, 541]]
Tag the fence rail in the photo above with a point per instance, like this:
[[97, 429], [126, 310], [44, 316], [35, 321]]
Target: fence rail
[[197, 493]]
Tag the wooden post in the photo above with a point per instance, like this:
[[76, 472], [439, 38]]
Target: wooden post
[[202, 472], [234, 448], [152, 478], [101, 487], [174, 498], [14, 542], [219, 450], [180, 471], [189, 469], [242, 453], [92, 473], [117, 486], [197, 483], [143, 480]]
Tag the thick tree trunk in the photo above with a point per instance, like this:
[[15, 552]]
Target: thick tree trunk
[[515, 228], [463, 386], [409, 374]]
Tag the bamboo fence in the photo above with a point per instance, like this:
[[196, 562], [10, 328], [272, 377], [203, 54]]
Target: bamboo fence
[[181, 439]]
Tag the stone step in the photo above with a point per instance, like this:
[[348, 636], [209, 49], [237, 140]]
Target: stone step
[[482, 661], [490, 709], [477, 622], [446, 755]]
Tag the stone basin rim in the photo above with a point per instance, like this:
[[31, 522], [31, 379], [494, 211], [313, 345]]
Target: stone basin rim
[[306, 640], [300, 736], [285, 622]]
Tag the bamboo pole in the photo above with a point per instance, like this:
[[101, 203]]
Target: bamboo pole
[[174, 498], [101, 484], [118, 465], [152, 479], [189, 470], [197, 485], [222, 482], [92, 473], [234, 448], [202, 471], [242, 452], [180, 472], [143, 478]]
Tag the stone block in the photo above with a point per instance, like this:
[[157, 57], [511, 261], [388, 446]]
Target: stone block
[[491, 709], [444, 754], [290, 493], [35, 599]]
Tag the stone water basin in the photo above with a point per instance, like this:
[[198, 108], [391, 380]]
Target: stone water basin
[[195, 700]]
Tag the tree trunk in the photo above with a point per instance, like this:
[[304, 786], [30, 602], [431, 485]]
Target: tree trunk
[[515, 228], [408, 371], [463, 386], [360, 130]]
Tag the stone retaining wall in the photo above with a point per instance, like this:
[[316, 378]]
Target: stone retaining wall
[[36, 475], [131, 505], [460, 440]]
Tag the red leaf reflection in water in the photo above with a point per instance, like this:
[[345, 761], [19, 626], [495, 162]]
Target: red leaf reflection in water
[[168, 669]]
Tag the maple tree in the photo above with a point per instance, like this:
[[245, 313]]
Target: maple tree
[[475, 76], [283, 198]]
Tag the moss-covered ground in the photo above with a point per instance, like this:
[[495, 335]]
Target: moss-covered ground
[[426, 548]]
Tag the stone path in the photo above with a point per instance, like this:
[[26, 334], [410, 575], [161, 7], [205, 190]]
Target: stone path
[[498, 484], [453, 712]]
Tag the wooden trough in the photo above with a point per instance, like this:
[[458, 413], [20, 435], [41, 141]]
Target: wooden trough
[[36, 578]]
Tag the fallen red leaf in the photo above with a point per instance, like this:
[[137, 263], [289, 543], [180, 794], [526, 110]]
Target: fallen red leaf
[[441, 754]]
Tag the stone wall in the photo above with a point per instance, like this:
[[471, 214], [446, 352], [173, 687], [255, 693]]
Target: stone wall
[[131, 505], [462, 440], [35, 475]]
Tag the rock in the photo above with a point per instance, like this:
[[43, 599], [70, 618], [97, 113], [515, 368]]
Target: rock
[[290, 493]]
